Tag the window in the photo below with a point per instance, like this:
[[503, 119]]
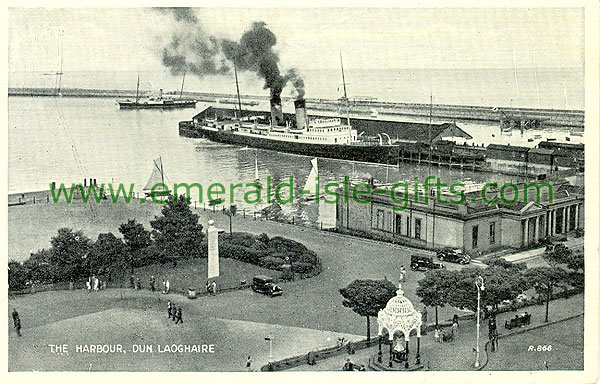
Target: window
[[475, 235], [417, 228], [492, 233], [398, 228], [408, 226], [380, 219]]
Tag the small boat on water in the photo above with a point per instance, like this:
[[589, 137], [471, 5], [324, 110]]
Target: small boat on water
[[530, 139], [551, 139], [310, 187], [157, 177], [159, 102]]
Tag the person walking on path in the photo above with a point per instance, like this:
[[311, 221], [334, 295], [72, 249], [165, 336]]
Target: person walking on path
[[179, 316], [15, 316], [152, 284], [167, 287], [249, 364], [170, 309], [213, 287], [18, 326]]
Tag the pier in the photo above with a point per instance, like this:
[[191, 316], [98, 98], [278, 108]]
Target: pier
[[505, 116]]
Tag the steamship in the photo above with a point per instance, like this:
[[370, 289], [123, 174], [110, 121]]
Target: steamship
[[322, 137], [159, 102]]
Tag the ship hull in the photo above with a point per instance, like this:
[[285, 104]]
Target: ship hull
[[371, 154], [174, 105]]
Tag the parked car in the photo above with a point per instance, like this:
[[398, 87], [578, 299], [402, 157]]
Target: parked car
[[423, 263], [453, 256], [266, 285]]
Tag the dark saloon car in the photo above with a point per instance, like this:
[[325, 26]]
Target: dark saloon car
[[453, 256], [423, 263], [265, 284]]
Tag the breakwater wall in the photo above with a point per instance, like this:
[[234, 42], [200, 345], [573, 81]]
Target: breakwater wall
[[505, 116]]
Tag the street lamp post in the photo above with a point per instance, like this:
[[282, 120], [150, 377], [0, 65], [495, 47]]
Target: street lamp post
[[480, 288]]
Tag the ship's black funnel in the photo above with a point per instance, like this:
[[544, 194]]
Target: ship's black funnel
[[301, 116], [276, 112]]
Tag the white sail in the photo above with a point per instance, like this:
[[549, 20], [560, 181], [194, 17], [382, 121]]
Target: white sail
[[157, 176], [311, 181]]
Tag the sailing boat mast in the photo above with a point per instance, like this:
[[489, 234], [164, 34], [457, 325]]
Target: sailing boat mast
[[182, 81], [60, 52], [345, 93], [137, 90], [237, 86], [162, 173]]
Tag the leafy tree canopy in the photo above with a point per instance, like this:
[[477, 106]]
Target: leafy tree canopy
[[368, 297]]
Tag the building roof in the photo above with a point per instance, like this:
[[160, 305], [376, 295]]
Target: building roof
[[508, 148], [541, 151]]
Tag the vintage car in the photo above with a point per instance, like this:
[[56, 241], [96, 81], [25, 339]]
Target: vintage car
[[423, 263], [560, 247], [453, 256], [266, 285]]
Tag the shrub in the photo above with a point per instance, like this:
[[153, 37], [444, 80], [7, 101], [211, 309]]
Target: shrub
[[300, 267], [271, 262]]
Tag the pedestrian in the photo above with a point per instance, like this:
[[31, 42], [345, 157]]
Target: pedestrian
[[249, 364], [88, 285], [132, 281], [103, 285], [455, 319], [152, 284], [437, 334], [208, 286], [179, 316], [15, 316], [167, 286], [18, 326], [454, 329], [164, 290], [213, 287], [138, 284], [169, 309]]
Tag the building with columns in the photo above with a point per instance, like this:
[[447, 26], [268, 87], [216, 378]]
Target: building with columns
[[475, 225]]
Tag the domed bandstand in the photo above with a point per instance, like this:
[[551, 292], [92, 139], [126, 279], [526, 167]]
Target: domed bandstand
[[399, 317]]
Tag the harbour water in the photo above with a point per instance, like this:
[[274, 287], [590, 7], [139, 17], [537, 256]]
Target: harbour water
[[68, 139]]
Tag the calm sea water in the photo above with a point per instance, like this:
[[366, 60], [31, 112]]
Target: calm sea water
[[69, 139]]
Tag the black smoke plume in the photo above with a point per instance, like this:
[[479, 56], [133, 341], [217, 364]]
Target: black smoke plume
[[191, 49]]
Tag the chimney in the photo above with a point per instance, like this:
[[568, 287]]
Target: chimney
[[276, 112], [301, 117]]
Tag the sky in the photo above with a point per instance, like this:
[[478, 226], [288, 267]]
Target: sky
[[308, 38]]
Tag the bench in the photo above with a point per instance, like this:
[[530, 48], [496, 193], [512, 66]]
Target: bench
[[518, 321]]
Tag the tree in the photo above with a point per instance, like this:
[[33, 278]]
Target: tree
[[544, 280], [68, 252], [434, 289], [368, 297], [503, 263], [177, 233], [500, 284], [137, 239], [18, 276], [107, 256], [560, 255], [40, 269], [576, 261]]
